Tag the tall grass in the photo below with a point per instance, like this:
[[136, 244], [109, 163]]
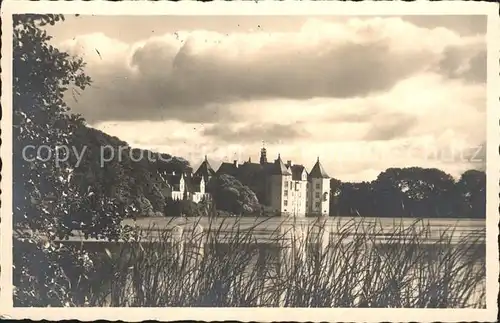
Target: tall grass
[[361, 265]]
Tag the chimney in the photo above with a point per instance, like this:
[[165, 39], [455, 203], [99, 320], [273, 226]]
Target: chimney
[[235, 163], [289, 163]]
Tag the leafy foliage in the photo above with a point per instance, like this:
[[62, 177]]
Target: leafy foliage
[[471, 189], [412, 192], [230, 195], [131, 175], [59, 180], [182, 208], [44, 192]]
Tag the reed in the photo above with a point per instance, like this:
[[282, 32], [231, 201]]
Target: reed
[[222, 265]]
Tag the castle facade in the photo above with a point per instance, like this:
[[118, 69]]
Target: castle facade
[[284, 188], [184, 186]]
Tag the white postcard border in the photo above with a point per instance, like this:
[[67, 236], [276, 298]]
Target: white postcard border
[[260, 8]]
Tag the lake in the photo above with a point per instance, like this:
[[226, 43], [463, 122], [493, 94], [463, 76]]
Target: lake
[[265, 230], [355, 263]]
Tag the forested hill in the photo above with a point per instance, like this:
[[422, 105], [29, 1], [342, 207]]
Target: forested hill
[[127, 173]]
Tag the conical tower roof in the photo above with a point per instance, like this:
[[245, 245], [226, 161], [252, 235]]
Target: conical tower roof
[[318, 171], [279, 168], [205, 169]]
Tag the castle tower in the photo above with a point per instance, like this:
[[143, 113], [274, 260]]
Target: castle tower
[[280, 178], [263, 155], [319, 190]]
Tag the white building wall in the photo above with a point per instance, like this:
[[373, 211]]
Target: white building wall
[[177, 195], [299, 196], [315, 195], [319, 196], [182, 185], [196, 197]]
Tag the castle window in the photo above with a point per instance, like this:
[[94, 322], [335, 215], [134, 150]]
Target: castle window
[[286, 184], [317, 194], [296, 186], [317, 204], [317, 185], [285, 203], [286, 192]]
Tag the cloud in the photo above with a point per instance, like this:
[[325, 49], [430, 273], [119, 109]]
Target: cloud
[[256, 133], [390, 126], [466, 61], [192, 75], [364, 94]]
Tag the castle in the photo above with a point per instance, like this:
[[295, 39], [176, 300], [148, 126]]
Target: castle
[[284, 188], [184, 186]]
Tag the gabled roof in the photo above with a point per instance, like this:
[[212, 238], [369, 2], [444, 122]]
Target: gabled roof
[[297, 172], [279, 168], [227, 168], [249, 167], [318, 171], [205, 169]]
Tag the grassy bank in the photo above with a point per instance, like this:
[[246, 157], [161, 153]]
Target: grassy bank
[[302, 268]]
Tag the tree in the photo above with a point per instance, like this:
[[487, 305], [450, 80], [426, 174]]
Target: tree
[[335, 186], [414, 192], [230, 195], [355, 199], [471, 189], [187, 208], [131, 175], [51, 197]]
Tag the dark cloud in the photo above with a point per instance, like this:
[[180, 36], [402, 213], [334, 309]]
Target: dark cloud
[[146, 26], [465, 63], [190, 85], [270, 133]]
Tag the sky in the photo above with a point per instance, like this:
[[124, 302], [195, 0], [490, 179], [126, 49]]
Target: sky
[[361, 93]]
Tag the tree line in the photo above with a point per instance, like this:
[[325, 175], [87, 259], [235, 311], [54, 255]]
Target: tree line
[[412, 192]]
